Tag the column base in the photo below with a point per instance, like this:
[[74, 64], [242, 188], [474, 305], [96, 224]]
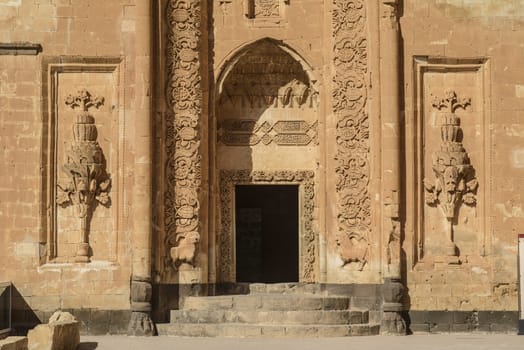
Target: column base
[[393, 324], [141, 324]]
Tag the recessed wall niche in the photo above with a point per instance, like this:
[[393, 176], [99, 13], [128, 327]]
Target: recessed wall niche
[[452, 158], [83, 135]]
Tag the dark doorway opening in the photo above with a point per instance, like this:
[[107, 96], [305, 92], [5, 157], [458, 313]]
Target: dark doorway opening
[[267, 233]]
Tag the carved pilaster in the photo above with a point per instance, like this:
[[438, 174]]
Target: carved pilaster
[[390, 109], [352, 131], [184, 98], [390, 138]]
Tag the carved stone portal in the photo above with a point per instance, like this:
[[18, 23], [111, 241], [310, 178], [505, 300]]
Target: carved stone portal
[[307, 239], [455, 181], [86, 168]]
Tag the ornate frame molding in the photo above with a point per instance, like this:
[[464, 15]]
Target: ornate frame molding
[[52, 68], [308, 240], [423, 65]]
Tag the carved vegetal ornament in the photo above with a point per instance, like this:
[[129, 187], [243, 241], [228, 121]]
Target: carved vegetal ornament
[[85, 167], [352, 131], [184, 97], [455, 181]]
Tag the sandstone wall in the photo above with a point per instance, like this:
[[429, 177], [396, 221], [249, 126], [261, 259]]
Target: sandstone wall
[[472, 48], [94, 45]]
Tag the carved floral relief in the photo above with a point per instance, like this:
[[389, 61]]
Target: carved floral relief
[[454, 182], [352, 131], [89, 183], [183, 165]]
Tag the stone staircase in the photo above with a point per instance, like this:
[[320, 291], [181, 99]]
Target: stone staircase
[[272, 310]]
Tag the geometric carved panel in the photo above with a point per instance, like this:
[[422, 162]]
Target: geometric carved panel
[[452, 159], [249, 132], [265, 12], [82, 215]]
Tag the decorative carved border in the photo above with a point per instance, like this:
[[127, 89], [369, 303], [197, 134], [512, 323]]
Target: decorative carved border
[[352, 128], [184, 98], [421, 66], [307, 237], [52, 67], [249, 132]]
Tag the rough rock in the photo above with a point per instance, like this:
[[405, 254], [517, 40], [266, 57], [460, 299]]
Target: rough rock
[[61, 333]]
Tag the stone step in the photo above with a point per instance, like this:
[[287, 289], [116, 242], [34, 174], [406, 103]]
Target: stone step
[[320, 317], [286, 288], [263, 330], [267, 302]]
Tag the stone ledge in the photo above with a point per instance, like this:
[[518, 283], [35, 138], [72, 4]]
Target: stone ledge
[[20, 49], [92, 321]]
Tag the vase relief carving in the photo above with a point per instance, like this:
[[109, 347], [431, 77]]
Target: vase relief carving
[[454, 181], [89, 183]]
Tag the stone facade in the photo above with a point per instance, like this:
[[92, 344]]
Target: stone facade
[[127, 126]]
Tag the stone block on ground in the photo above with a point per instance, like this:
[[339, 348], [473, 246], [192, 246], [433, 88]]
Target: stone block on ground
[[61, 333], [13, 343]]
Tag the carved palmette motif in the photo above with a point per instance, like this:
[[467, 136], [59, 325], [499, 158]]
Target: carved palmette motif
[[184, 97], [352, 130], [230, 178]]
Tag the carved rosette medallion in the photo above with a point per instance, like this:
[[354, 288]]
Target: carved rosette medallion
[[183, 164], [455, 180], [230, 178], [352, 130], [85, 167]]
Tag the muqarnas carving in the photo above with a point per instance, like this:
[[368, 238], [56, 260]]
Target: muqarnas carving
[[455, 181], [89, 183]]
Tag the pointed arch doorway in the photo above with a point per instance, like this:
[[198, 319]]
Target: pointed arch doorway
[[265, 166]]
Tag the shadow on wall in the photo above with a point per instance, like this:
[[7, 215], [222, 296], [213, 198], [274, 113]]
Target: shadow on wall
[[23, 318], [89, 345]]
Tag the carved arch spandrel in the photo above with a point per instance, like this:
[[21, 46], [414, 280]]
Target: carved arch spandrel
[[308, 239]]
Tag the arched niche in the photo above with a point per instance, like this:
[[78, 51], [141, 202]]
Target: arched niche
[[266, 104], [266, 133]]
